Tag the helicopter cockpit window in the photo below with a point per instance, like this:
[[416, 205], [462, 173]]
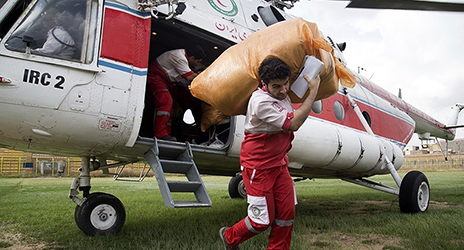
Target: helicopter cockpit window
[[2, 2], [12, 11], [63, 29]]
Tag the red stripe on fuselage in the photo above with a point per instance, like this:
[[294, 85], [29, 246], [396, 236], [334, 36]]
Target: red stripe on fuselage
[[406, 107], [126, 38], [383, 123]]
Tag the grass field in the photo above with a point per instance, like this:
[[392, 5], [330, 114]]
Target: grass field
[[35, 213]]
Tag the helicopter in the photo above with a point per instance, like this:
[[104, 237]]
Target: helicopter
[[91, 102]]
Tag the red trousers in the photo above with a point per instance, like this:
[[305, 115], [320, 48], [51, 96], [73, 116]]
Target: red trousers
[[271, 198], [160, 87]]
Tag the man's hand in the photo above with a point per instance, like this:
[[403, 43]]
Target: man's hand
[[313, 84], [191, 77], [300, 115]]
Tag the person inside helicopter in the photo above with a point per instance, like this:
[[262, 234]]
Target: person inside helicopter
[[58, 42], [168, 77], [52, 28]]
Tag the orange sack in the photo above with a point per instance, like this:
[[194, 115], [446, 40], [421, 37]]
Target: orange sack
[[229, 81], [211, 116]]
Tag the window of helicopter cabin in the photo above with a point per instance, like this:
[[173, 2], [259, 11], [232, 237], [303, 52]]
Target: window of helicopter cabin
[[367, 117], [270, 15], [10, 13], [339, 111], [317, 107], [64, 29]]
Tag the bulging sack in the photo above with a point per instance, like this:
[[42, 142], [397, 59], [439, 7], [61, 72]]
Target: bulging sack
[[211, 116], [229, 81]]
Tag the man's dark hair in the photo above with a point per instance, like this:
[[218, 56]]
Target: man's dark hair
[[273, 68], [196, 51]]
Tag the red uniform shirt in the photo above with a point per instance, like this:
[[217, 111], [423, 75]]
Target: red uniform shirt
[[267, 139]]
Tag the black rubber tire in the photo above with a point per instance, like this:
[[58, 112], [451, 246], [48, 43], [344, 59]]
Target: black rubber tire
[[113, 210], [237, 188], [77, 211], [414, 193]]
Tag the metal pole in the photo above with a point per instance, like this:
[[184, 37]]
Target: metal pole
[[368, 129], [85, 172], [393, 171]]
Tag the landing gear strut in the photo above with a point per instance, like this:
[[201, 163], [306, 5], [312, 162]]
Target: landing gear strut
[[96, 213], [414, 192]]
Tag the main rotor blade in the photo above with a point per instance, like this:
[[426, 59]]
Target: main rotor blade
[[454, 126], [407, 5]]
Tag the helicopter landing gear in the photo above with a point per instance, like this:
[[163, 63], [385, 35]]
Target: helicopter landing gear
[[237, 188], [96, 213], [101, 214], [414, 191], [414, 194]]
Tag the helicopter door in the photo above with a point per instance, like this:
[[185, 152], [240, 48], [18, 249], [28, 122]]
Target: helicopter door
[[49, 51]]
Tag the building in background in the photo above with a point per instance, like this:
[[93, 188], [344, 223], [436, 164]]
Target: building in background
[[435, 157], [454, 147]]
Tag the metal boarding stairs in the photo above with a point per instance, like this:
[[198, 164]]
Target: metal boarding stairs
[[176, 158]]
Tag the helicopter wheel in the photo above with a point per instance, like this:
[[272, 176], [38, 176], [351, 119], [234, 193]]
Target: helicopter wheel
[[237, 187], [414, 193], [101, 214]]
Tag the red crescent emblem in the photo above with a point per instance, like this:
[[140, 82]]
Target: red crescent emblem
[[223, 5]]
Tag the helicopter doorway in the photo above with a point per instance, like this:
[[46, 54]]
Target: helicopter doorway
[[167, 35]]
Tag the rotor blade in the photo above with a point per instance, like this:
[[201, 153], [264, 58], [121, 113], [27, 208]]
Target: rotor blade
[[455, 126], [407, 5]]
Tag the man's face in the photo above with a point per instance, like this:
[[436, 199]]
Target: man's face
[[194, 62], [49, 18], [278, 88]]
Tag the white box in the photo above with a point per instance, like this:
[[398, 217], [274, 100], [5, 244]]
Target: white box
[[311, 68]]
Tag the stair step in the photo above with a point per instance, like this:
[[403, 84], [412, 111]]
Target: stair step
[[176, 167], [169, 157], [183, 186], [180, 204], [171, 146]]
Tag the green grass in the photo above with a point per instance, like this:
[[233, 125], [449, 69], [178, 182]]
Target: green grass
[[331, 214]]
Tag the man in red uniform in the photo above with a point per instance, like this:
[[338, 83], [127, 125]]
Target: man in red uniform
[[269, 125], [168, 69]]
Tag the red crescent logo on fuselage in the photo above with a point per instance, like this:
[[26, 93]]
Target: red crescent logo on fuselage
[[223, 5]]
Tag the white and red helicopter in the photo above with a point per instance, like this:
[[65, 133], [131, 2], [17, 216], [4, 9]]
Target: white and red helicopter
[[92, 104]]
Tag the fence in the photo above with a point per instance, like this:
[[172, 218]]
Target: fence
[[434, 162], [23, 163]]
